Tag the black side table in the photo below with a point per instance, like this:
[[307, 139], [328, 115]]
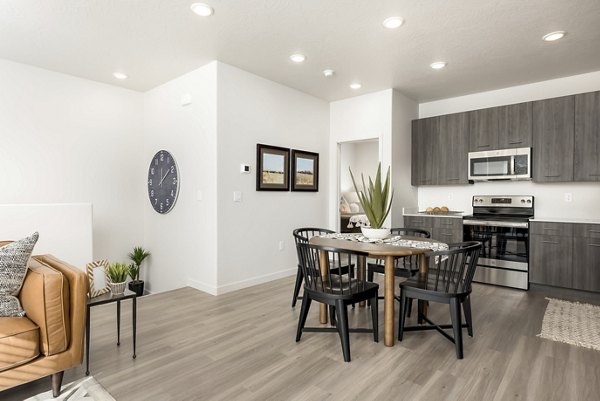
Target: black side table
[[106, 299]]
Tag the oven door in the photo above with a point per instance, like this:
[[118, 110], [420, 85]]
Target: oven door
[[505, 243]]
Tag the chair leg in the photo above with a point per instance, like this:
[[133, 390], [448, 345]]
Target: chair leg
[[402, 314], [370, 275], [342, 314], [375, 317], [299, 277], [409, 307], [420, 311], [56, 383], [468, 316], [332, 315], [303, 314], [456, 326]]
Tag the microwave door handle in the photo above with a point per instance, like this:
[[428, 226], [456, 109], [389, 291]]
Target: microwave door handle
[[512, 165]]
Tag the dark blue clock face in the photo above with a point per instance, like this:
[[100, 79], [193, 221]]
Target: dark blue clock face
[[163, 182]]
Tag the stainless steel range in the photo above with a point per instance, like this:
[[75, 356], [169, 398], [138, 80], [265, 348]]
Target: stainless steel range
[[501, 224]]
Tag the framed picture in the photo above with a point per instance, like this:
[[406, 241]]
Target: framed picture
[[272, 168], [96, 272], [305, 171]]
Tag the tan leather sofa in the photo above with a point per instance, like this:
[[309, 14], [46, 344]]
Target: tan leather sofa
[[49, 339]]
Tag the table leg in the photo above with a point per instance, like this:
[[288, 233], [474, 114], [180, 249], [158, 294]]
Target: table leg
[[323, 260], [361, 262], [118, 323], [134, 314], [388, 307], [87, 341]]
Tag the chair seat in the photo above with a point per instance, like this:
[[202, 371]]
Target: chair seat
[[418, 284], [342, 287], [408, 271]]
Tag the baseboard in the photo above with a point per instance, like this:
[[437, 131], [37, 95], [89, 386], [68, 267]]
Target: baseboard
[[209, 289]]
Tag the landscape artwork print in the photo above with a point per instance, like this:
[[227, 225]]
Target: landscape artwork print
[[272, 172], [305, 170]]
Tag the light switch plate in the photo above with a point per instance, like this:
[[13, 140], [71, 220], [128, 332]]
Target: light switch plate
[[237, 196], [186, 99], [244, 168]]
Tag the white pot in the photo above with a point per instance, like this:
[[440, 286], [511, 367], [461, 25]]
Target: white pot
[[117, 288], [375, 233]]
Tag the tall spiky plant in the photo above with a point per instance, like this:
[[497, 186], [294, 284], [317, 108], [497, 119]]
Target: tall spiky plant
[[375, 199], [137, 257]]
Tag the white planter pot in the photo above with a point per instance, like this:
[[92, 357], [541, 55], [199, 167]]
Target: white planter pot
[[117, 288], [375, 233]]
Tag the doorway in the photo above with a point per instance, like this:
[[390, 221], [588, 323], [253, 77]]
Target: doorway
[[362, 157]]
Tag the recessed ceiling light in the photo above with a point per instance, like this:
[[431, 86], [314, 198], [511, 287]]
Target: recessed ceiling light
[[393, 22], [552, 36], [328, 72], [297, 58], [119, 75], [203, 10], [438, 65], [355, 85]]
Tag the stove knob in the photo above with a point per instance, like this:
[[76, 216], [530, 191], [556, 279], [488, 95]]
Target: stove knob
[[522, 200], [528, 200]]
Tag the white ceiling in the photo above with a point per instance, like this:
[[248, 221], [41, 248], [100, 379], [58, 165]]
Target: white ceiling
[[487, 44]]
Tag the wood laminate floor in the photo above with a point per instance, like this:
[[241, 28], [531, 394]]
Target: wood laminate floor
[[240, 346]]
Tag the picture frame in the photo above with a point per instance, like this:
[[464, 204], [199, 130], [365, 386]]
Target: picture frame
[[272, 168], [305, 171], [99, 282]]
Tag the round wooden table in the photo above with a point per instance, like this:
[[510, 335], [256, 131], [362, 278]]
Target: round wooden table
[[379, 251]]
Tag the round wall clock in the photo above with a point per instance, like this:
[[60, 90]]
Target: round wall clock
[[163, 182]]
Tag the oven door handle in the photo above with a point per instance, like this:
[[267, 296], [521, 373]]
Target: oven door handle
[[489, 223]]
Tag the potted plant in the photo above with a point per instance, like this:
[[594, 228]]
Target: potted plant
[[117, 276], [376, 201], [137, 257]]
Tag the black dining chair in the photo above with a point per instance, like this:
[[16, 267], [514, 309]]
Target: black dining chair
[[302, 236], [448, 280], [333, 285], [405, 267]]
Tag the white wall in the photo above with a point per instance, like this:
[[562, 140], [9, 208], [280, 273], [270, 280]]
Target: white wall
[[362, 158], [404, 110], [68, 140], [183, 242], [254, 110], [549, 198]]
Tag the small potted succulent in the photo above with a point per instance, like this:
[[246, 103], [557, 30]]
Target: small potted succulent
[[376, 201], [117, 276], [137, 257]]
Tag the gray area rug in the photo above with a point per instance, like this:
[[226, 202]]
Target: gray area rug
[[86, 389], [572, 323]]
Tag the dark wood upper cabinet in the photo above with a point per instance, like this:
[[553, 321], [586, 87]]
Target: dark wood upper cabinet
[[450, 150], [587, 137], [553, 139], [424, 133], [483, 129], [515, 126]]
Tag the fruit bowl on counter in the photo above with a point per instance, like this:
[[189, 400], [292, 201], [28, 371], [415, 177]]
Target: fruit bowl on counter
[[440, 210]]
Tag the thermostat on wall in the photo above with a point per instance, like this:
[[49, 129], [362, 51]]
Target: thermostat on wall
[[244, 168]]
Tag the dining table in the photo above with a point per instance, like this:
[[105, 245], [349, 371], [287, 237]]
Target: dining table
[[387, 251]]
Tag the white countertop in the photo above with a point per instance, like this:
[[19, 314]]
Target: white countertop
[[453, 215], [577, 220]]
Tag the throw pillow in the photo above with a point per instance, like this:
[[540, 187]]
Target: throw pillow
[[13, 268]]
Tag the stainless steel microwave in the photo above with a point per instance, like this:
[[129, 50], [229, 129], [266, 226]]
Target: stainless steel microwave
[[504, 164]]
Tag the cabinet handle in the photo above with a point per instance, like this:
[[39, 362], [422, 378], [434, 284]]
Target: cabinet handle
[[483, 146], [555, 176], [550, 242], [550, 229], [594, 231], [597, 245], [515, 142], [453, 179], [594, 175], [447, 235]]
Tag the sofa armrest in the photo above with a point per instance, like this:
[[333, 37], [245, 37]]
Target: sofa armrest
[[78, 289]]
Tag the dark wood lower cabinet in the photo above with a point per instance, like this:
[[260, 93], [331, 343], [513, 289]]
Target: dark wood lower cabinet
[[565, 255], [445, 229], [551, 260], [586, 264]]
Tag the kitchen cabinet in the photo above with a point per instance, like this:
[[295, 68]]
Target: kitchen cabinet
[[445, 229], [424, 132], [483, 130], [553, 139], [587, 137], [515, 125], [450, 150], [586, 254], [551, 256]]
